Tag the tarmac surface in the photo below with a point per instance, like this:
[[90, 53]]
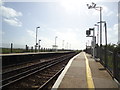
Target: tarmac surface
[[83, 71]]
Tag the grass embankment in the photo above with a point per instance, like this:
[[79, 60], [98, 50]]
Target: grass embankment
[[8, 50]]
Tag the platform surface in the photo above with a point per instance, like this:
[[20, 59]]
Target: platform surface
[[27, 53], [83, 71]]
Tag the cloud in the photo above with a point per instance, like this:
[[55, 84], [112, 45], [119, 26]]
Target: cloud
[[118, 28], [105, 10], [110, 13], [46, 42], [115, 28], [13, 22], [73, 6], [113, 34], [31, 33], [118, 15], [9, 12], [1, 3], [2, 33], [10, 16], [69, 35]]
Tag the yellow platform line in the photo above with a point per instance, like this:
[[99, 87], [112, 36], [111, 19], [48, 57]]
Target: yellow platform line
[[90, 82]]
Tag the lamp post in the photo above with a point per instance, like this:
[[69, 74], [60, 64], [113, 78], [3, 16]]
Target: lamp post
[[97, 33], [93, 6], [36, 39], [55, 43], [97, 40], [67, 45], [105, 44], [105, 25], [55, 40], [70, 46], [63, 45]]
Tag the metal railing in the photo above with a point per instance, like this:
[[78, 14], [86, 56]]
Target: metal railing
[[116, 66], [109, 59]]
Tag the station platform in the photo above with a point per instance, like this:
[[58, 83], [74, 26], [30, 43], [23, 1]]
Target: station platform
[[28, 53], [82, 71]]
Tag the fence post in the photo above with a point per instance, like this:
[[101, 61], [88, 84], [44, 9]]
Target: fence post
[[105, 56], [31, 49], [44, 49], [11, 47], [114, 63], [39, 48], [96, 50]]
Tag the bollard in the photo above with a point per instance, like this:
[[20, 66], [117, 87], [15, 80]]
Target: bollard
[[11, 47]]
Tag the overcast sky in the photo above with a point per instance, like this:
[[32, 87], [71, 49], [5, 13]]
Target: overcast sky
[[66, 19]]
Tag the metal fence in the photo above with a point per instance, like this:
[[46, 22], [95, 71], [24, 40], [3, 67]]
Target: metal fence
[[109, 59], [116, 66], [17, 48]]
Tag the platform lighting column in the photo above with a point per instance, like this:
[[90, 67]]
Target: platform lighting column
[[97, 38], [70, 46], [55, 40], [55, 43], [97, 33], [67, 45], [63, 44], [105, 44], [36, 39], [105, 25]]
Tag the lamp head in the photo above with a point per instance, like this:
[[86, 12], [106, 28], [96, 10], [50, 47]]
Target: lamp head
[[93, 5], [89, 6], [96, 25], [38, 27]]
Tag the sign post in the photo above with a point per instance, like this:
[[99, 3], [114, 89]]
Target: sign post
[[88, 32]]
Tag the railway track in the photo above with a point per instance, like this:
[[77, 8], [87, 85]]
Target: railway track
[[18, 65], [27, 67], [34, 76]]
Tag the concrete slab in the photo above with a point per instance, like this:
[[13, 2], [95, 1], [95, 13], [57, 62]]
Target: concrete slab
[[73, 82], [76, 72], [78, 64], [95, 66], [104, 83]]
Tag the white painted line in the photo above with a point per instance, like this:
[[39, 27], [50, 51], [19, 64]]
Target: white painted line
[[58, 81]]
